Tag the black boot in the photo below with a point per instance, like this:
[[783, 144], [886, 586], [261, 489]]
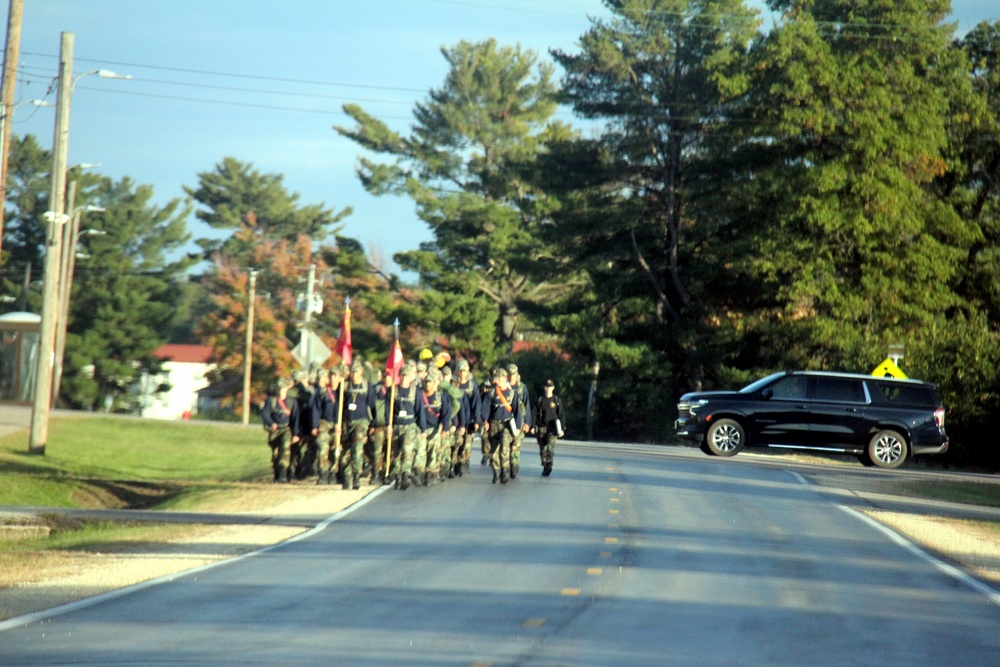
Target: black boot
[[496, 477], [514, 469], [279, 474], [357, 481], [404, 482], [547, 470], [486, 459], [504, 477]]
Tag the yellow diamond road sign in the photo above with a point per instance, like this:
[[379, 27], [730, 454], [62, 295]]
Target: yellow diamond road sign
[[888, 368]]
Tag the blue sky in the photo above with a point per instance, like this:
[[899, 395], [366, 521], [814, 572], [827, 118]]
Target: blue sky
[[264, 82]]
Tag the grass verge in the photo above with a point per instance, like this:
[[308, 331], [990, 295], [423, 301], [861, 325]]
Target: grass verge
[[113, 462]]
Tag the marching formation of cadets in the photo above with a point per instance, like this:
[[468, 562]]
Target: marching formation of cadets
[[440, 417]]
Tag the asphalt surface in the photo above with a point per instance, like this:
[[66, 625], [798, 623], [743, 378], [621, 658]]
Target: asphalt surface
[[621, 557]]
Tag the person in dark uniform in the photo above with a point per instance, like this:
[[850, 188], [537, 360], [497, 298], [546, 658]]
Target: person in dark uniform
[[549, 425], [375, 451], [325, 420], [523, 419], [303, 395], [467, 439], [359, 418], [502, 419], [406, 432], [280, 415]]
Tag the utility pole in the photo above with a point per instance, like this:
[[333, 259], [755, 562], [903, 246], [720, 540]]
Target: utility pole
[[42, 403], [248, 355], [13, 50]]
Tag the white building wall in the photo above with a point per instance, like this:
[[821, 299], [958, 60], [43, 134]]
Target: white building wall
[[185, 379]]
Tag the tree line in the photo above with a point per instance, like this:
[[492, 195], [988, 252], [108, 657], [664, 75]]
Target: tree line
[[734, 199]]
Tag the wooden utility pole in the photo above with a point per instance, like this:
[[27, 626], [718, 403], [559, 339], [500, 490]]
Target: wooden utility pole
[[11, 54], [42, 403], [248, 355]]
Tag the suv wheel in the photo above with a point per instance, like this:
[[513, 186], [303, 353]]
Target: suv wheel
[[887, 449], [725, 438]]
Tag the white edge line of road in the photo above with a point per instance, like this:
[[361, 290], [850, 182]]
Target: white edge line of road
[[27, 619], [950, 570]]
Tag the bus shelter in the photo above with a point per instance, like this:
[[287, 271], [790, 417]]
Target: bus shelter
[[19, 338]]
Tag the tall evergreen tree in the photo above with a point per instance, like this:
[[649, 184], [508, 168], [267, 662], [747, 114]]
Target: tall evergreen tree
[[461, 166], [237, 196], [124, 294], [846, 129], [659, 74]]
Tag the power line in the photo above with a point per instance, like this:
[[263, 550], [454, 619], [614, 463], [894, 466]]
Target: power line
[[235, 75]]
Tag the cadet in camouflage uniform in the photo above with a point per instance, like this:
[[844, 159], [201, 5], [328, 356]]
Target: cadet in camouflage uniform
[[303, 396], [326, 419], [523, 418], [452, 437], [279, 416], [500, 412], [433, 418], [549, 424], [467, 437], [359, 415], [406, 432], [376, 441], [484, 390]]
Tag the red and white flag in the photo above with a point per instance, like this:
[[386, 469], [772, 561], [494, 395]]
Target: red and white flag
[[395, 361]]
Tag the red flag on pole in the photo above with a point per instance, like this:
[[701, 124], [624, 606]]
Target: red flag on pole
[[395, 361], [343, 346]]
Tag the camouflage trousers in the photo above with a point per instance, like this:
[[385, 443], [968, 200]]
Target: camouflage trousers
[[327, 456], [280, 442], [407, 439], [515, 451], [547, 440], [500, 439], [449, 441], [352, 458], [487, 448], [465, 446], [433, 450], [375, 450]]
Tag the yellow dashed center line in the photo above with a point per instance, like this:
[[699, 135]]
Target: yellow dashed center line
[[612, 511], [611, 540], [533, 623], [594, 571], [569, 592], [615, 500]]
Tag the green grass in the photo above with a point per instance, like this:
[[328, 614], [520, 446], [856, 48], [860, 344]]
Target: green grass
[[93, 461], [101, 462], [972, 493]]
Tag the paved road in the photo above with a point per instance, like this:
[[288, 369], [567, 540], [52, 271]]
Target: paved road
[[620, 558]]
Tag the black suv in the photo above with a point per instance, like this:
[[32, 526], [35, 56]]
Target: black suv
[[881, 420]]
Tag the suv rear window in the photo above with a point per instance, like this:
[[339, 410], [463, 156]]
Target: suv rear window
[[907, 394]]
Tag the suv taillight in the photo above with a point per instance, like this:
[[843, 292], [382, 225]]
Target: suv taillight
[[939, 417]]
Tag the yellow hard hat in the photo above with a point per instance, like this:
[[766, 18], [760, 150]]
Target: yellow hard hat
[[426, 355]]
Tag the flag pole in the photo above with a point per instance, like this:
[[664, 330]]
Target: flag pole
[[392, 397]]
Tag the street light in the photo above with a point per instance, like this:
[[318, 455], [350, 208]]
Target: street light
[[103, 73], [71, 237]]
